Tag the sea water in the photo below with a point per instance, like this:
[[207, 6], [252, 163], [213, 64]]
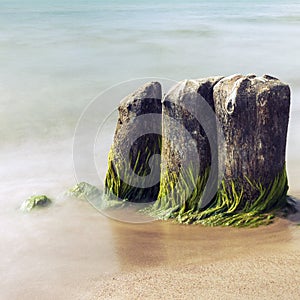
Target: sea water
[[57, 56]]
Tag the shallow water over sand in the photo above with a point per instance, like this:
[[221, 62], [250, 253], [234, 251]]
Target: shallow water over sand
[[57, 252], [55, 57]]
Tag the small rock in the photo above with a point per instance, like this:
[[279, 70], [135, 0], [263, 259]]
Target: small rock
[[33, 201], [84, 191]]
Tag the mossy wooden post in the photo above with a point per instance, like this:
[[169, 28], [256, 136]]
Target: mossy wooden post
[[185, 147], [138, 134], [254, 114]]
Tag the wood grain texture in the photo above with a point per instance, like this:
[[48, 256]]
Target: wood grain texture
[[254, 114]]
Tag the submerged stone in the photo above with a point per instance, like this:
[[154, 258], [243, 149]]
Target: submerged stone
[[35, 201], [85, 191]]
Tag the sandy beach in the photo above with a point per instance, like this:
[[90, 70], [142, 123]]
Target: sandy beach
[[71, 251], [56, 57]]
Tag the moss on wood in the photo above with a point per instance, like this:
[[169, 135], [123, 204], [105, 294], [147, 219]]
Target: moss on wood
[[225, 209], [123, 187]]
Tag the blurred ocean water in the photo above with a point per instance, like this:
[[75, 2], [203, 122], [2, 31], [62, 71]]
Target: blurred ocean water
[[57, 55]]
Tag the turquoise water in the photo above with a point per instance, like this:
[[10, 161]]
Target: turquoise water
[[57, 55]]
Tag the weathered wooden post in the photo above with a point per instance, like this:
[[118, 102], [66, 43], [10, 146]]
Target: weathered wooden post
[[134, 159], [186, 153], [254, 114]]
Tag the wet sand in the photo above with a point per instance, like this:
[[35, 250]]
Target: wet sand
[[71, 251], [56, 57]]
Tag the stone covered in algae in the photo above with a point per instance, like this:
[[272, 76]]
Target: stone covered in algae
[[35, 201], [84, 191]]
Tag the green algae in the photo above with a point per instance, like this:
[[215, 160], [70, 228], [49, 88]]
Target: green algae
[[122, 187], [228, 208], [35, 201], [179, 193], [180, 196]]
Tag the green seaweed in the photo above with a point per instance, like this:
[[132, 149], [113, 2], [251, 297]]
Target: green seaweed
[[228, 208], [124, 188], [179, 193], [180, 196]]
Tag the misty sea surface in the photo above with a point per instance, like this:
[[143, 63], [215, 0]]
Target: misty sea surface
[[57, 56]]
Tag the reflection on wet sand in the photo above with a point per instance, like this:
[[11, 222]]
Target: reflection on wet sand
[[59, 250], [167, 244]]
